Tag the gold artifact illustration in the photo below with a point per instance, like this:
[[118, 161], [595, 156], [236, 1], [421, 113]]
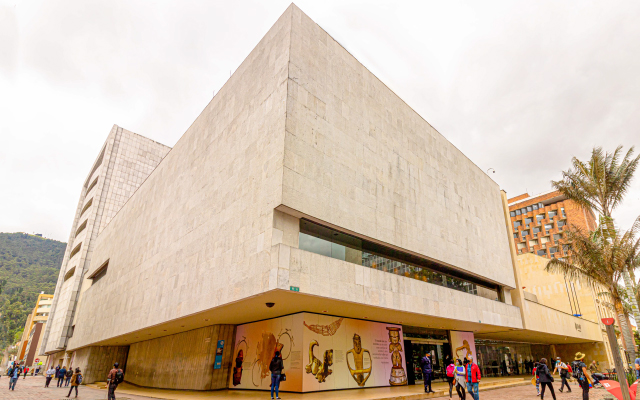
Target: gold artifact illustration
[[466, 350], [265, 350], [360, 374], [320, 369], [325, 330], [398, 376]]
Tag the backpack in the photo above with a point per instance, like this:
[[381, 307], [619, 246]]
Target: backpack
[[79, 379], [69, 373], [450, 370], [576, 370], [570, 369], [119, 377]]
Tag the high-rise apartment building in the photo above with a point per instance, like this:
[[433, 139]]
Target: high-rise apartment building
[[124, 162], [30, 345], [308, 209], [539, 222]]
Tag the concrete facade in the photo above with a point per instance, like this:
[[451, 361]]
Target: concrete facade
[[124, 162], [301, 132]]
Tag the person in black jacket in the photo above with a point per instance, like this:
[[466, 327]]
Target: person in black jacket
[[545, 378], [276, 366]]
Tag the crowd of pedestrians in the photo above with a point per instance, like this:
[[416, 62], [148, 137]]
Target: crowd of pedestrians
[[66, 377]]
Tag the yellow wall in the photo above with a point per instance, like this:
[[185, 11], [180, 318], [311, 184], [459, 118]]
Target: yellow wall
[[551, 289]]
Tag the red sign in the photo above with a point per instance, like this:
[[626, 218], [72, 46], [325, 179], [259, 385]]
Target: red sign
[[37, 360], [608, 321]]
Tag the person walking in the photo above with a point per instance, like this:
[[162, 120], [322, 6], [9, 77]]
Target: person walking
[[534, 370], [14, 374], [451, 372], [24, 371], [472, 375], [545, 378], [68, 376], [563, 369], [76, 380], [427, 371], [460, 380], [276, 366], [49, 375], [580, 373], [62, 372], [115, 377]]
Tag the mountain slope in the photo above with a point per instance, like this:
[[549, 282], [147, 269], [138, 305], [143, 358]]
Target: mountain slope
[[30, 264]]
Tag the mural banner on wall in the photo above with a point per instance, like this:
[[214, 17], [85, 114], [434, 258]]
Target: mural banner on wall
[[320, 352], [463, 345]]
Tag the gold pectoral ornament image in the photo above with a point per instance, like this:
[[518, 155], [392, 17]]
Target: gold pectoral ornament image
[[398, 376], [319, 369], [360, 374]]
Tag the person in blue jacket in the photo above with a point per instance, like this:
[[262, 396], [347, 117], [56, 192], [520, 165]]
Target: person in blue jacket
[[427, 372]]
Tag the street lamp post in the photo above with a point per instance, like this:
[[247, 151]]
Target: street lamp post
[[620, 370]]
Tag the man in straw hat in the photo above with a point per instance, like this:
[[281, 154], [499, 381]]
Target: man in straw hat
[[580, 373]]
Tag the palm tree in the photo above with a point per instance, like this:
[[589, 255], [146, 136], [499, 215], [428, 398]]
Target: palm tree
[[602, 257], [600, 184]]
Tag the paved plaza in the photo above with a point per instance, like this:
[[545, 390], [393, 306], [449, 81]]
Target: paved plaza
[[32, 388], [529, 393]]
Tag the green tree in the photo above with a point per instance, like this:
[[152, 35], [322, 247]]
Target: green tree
[[29, 265], [600, 184]]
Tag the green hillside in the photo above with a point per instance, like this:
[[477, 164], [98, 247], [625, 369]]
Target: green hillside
[[29, 265]]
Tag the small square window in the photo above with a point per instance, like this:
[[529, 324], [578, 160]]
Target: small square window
[[529, 208], [516, 224], [517, 212], [542, 253], [552, 214], [535, 206], [524, 233], [512, 213], [548, 227]]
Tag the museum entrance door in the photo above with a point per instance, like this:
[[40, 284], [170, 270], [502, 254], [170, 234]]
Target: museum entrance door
[[439, 353]]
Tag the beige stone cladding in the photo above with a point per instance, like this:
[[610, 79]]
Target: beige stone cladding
[[358, 157], [210, 228], [125, 161], [197, 233]]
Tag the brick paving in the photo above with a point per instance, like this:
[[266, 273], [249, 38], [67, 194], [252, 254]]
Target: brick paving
[[32, 388], [528, 392]]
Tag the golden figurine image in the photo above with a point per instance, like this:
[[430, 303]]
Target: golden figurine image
[[398, 376], [465, 349], [319, 369], [360, 374]]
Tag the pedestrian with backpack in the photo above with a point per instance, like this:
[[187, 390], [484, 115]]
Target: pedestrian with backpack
[[115, 377], [14, 374], [545, 378], [76, 380], [451, 368], [563, 369], [62, 372], [580, 373], [24, 371], [460, 381], [68, 377]]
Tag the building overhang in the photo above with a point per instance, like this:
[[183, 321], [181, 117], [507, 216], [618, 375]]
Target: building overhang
[[289, 302]]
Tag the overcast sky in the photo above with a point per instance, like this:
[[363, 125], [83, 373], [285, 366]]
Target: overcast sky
[[518, 86]]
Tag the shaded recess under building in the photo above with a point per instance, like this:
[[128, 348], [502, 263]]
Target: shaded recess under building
[[307, 209]]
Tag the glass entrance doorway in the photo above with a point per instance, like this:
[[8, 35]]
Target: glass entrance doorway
[[420, 341]]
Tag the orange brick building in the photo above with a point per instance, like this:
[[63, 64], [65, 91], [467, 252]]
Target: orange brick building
[[539, 222]]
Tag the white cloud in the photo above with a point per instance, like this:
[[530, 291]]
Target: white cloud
[[520, 87]]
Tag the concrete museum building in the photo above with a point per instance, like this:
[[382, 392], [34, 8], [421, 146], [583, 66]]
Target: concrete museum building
[[307, 209]]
